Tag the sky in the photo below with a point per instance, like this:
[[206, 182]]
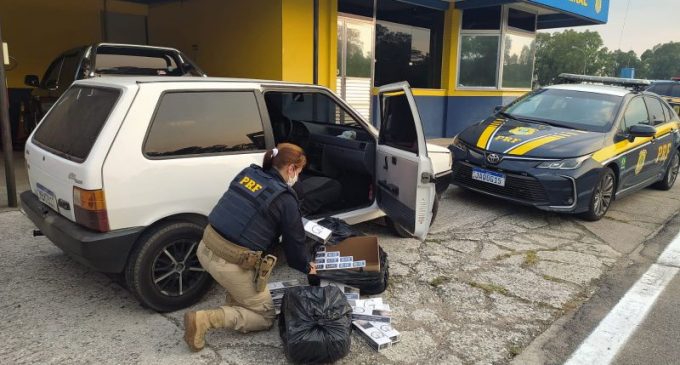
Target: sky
[[648, 23]]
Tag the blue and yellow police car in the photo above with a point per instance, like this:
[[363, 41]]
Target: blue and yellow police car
[[669, 90], [572, 147]]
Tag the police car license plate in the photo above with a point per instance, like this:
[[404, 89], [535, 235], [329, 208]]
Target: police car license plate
[[46, 196], [488, 177]]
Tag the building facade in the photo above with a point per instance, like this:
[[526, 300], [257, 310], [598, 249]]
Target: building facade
[[462, 58]]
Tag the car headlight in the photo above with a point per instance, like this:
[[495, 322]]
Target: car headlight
[[457, 143], [567, 164]]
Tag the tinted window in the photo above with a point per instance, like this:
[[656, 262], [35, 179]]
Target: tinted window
[[656, 113], [636, 113], [409, 42], [52, 74], [661, 89], [478, 61], [68, 71], [488, 18], [675, 91], [74, 122], [575, 109], [518, 61], [305, 107], [397, 127], [195, 123], [521, 20]]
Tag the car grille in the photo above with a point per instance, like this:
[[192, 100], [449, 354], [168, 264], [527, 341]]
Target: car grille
[[524, 188]]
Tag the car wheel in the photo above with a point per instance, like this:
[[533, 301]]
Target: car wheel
[[602, 196], [671, 173], [402, 232], [163, 271]]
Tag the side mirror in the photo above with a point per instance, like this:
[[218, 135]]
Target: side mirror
[[497, 108], [640, 130], [51, 84], [32, 80]]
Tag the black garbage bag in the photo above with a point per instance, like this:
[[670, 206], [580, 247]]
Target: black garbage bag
[[369, 282], [315, 324], [340, 228]]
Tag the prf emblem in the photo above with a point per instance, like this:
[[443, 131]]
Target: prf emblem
[[641, 161], [250, 184], [523, 131]]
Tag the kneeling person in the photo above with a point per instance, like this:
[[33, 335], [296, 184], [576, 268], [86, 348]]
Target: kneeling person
[[256, 210]]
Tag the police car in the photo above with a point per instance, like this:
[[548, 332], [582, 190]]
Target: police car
[[669, 90], [573, 147]]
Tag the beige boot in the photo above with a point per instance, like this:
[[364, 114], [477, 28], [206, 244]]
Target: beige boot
[[196, 324]]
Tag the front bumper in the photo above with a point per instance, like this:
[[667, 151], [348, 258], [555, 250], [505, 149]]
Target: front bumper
[[106, 252], [550, 190]]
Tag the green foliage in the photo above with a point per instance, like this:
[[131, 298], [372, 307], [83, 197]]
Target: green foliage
[[583, 53]]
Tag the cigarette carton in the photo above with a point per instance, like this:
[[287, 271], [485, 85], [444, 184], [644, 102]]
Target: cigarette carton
[[383, 315], [388, 330], [373, 336], [316, 232], [351, 293], [279, 287]]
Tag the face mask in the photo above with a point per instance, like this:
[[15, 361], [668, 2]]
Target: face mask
[[293, 180]]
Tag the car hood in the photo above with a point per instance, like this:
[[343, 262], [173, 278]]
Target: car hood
[[519, 138]]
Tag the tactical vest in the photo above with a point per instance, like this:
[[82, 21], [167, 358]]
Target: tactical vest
[[242, 214]]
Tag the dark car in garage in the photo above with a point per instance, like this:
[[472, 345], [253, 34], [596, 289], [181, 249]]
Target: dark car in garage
[[98, 60]]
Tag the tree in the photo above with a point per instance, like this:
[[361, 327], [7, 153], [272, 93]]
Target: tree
[[662, 61], [569, 51]]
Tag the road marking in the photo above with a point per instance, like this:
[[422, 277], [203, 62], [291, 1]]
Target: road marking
[[616, 328]]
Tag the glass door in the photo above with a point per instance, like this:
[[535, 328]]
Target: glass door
[[355, 62]]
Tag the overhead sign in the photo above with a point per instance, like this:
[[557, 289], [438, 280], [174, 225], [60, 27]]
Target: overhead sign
[[597, 10]]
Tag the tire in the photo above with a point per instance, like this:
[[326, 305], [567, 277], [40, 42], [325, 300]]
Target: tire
[[163, 272], [602, 197], [671, 173], [400, 231]]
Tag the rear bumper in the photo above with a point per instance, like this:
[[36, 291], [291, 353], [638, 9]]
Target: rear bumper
[[106, 252]]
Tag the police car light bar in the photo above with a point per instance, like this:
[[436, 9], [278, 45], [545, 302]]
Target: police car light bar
[[636, 84], [677, 78]]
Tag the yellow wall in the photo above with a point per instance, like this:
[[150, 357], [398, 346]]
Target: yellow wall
[[233, 38], [37, 31], [328, 42], [297, 40]]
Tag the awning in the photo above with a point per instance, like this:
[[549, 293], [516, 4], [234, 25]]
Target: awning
[[554, 13]]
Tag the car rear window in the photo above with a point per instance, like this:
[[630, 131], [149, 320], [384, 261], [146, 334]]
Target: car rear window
[[73, 124]]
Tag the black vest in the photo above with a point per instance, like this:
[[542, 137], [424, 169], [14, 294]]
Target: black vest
[[242, 214]]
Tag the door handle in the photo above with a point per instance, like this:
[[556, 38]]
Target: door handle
[[385, 166]]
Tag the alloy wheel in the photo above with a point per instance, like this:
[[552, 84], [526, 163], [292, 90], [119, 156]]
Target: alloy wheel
[[176, 269], [673, 170], [603, 195]]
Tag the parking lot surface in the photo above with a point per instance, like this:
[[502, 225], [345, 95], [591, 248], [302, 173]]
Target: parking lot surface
[[490, 277]]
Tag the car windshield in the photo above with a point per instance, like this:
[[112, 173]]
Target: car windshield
[[568, 108]]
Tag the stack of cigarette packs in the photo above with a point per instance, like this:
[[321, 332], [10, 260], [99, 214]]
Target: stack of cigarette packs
[[331, 260], [371, 317], [278, 288]]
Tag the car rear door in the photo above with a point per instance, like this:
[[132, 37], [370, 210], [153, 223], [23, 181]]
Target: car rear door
[[404, 172]]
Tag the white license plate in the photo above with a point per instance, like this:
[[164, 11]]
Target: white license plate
[[47, 197], [488, 177]]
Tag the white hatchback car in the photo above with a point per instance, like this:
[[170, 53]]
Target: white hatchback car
[[124, 171]]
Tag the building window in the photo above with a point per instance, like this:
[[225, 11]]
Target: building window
[[497, 48], [408, 44], [518, 60], [478, 60]]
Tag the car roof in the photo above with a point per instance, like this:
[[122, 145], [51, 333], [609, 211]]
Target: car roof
[[127, 81], [593, 88]]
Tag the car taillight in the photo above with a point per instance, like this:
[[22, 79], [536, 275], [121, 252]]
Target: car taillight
[[90, 209]]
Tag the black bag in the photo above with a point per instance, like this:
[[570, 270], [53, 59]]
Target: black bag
[[369, 282], [315, 324], [340, 228]]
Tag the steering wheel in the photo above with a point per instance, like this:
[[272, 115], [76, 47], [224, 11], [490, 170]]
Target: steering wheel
[[282, 129]]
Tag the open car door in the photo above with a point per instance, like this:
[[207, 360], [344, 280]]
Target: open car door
[[404, 172]]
